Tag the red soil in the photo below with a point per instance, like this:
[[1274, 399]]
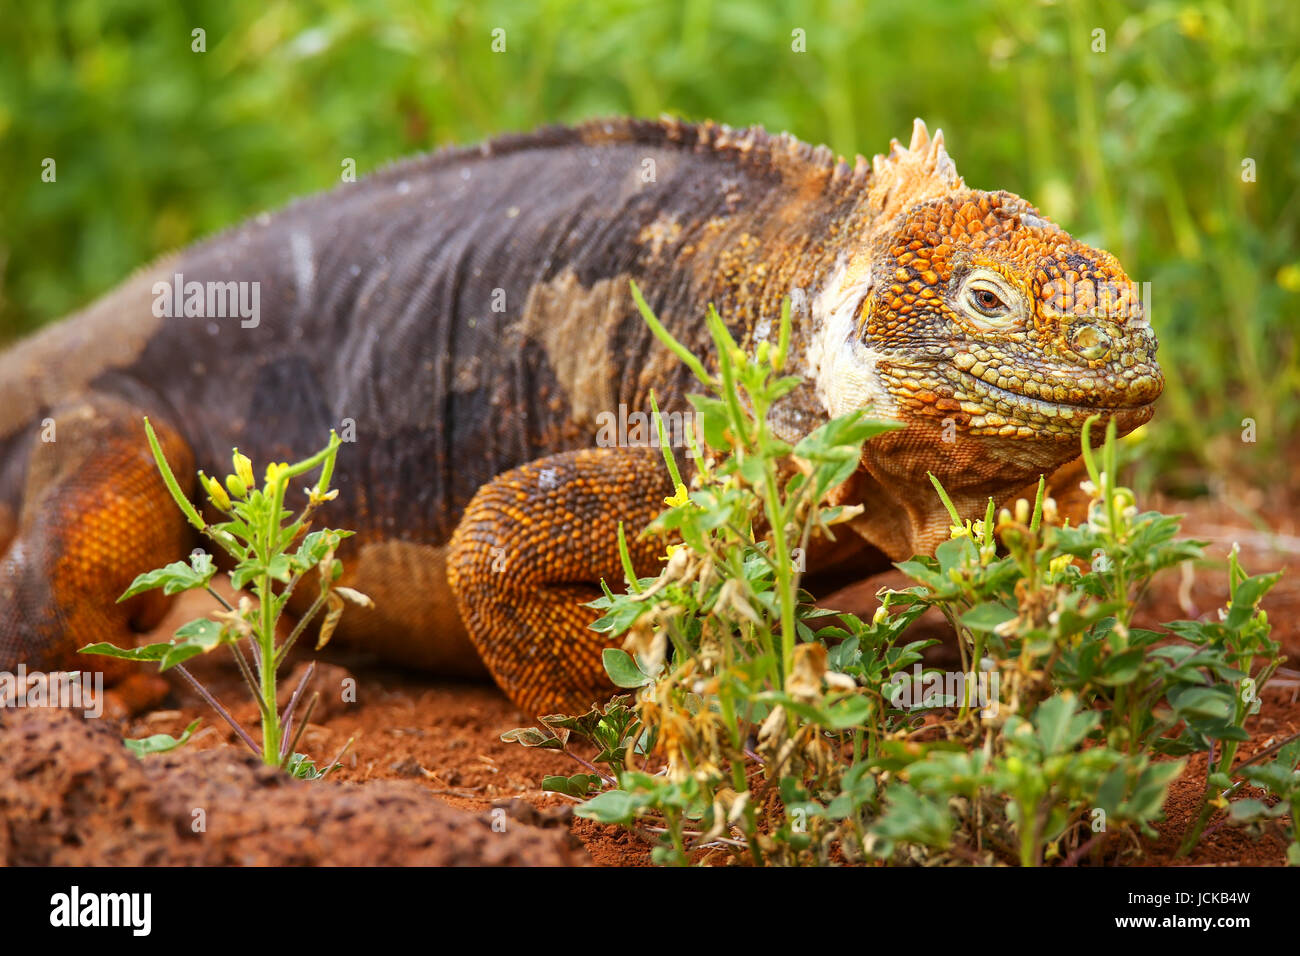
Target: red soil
[[427, 778]]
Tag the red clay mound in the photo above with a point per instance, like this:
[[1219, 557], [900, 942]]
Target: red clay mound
[[71, 794]]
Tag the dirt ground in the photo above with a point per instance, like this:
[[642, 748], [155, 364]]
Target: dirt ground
[[427, 779]]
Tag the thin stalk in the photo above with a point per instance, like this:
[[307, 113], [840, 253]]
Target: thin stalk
[[216, 705], [220, 600], [287, 717], [298, 629], [306, 717], [338, 760], [246, 672]]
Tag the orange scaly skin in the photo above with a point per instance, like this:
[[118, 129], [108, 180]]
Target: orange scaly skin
[[524, 558], [468, 316]]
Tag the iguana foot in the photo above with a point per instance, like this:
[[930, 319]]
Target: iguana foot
[[530, 552], [94, 514]]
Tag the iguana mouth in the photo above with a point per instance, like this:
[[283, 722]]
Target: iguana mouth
[[1051, 407], [940, 390], [995, 410]]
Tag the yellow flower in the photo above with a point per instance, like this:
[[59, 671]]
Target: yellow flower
[[1059, 564], [243, 468], [680, 498], [273, 472], [315, 498], [1137, 436], [216, 493], [1288, 277]]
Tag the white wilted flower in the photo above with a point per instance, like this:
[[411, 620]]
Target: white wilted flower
[[1050, 513], [731, 598], [837, 681], [648, 645], [804, 682]]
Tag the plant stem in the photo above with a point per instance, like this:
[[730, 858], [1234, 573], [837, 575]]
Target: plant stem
[[784, 586], [216, 705], [298, 629], [270, 718], [1194, 834], [292, 744]]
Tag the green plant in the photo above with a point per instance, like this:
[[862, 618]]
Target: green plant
[[1240, 635], [767, 728], [259, 534], [1279, 778]]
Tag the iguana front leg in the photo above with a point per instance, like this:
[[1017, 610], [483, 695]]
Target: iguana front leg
[[530, 552], [94, 514]]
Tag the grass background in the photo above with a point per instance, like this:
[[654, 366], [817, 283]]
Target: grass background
[[1138, 148]]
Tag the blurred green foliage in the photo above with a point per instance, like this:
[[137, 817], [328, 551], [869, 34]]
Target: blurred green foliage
[[1139, 148]]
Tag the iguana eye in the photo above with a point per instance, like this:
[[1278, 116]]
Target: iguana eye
[[987, 302]]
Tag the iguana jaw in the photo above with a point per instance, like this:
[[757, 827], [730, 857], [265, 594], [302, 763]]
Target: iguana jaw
[[1023, 403]]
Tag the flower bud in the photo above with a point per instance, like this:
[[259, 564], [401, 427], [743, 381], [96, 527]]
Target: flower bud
[[243, 469], [1050, 514], [1022, 511], [216, 493]]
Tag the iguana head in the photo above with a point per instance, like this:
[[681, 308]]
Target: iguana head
[[983, 328]]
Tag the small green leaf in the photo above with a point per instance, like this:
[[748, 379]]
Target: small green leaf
[[197, 637], [150, 652], [579, 785], [173, 578], [1122, 668], [1248, 809], [280, 568], [612, 806], [161, 743], [1204, 703], [532, 737], [623, 670], [1059, 726], [986, 617], [302, 767]]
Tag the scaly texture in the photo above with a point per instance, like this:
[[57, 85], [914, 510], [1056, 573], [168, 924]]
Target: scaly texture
[[464, 320]]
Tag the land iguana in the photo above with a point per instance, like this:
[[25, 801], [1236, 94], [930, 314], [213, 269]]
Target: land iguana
[[467, 316]]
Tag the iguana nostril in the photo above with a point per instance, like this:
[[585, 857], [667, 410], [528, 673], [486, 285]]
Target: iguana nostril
[[1089, 341]]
